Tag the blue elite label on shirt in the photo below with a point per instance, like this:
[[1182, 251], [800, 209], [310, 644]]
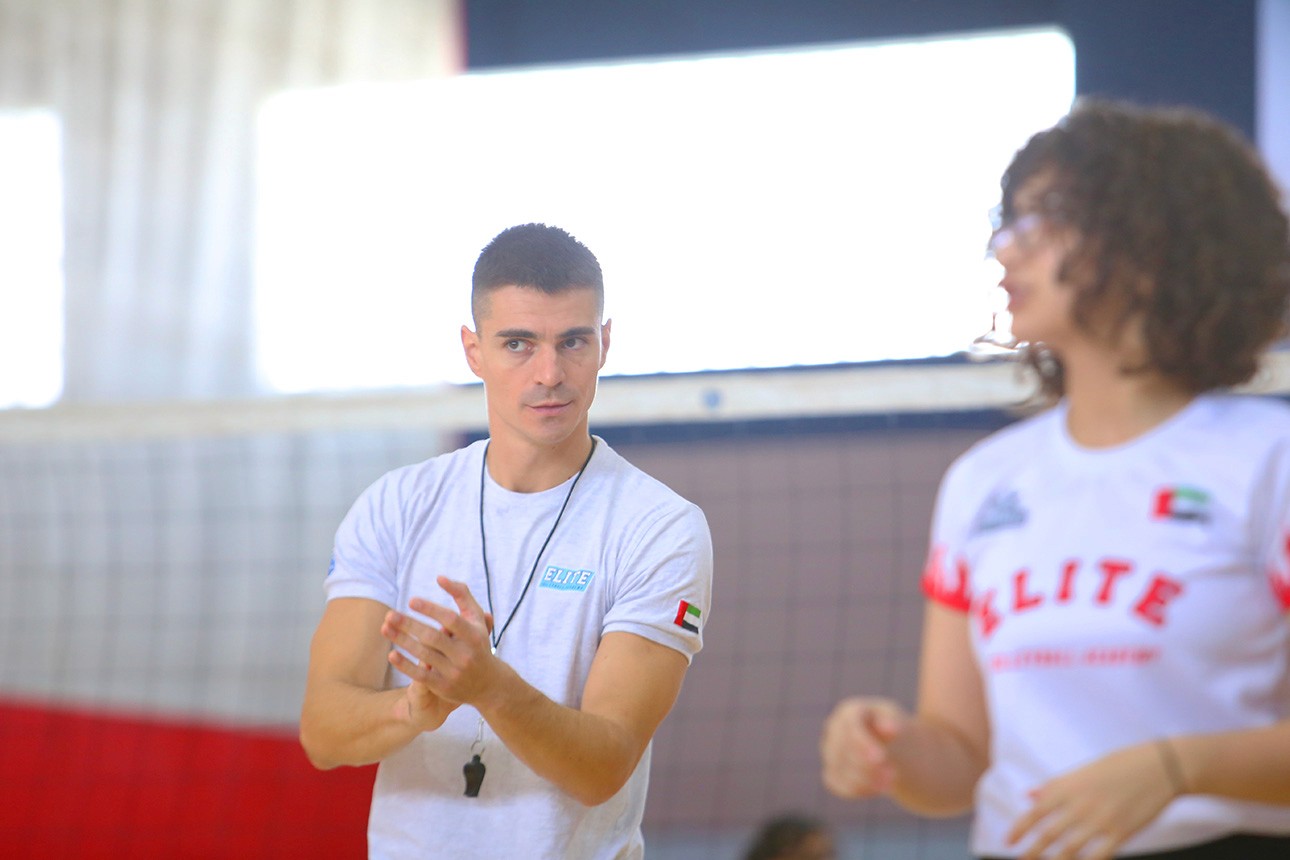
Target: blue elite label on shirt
[[565, 579]]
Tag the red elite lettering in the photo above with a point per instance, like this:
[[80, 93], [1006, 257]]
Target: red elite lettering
[[1067, 587], [985, 614], [1022, 601], [1112, 570], [1159, 593]]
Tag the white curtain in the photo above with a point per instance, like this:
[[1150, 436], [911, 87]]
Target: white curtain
[[158, 102]]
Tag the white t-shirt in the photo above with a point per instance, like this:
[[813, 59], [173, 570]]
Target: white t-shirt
[[1121, 595], [628, 555]]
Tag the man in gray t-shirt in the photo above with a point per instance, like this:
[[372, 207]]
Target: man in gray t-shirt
[[508, 624]]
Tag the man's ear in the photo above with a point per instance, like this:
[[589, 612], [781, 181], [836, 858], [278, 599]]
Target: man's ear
[[604, 342], [470, 345]]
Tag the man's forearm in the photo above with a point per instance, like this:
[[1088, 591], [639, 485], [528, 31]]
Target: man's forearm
[[342, 724], [588, 756]]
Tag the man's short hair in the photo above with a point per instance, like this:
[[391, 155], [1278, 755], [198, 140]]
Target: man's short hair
[[534, 256]]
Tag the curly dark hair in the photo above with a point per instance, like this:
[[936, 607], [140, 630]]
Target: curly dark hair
[[1179, 225], [538, 256]]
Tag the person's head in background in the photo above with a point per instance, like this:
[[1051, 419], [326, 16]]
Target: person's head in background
[[1154, 233], [792, 837]]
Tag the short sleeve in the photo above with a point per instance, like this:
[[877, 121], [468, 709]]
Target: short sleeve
[[364, 560], [946, 577], [1274, 500], [664, 590]]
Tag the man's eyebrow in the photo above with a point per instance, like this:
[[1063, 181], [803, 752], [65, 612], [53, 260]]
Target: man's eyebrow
[[521, 333], [526, 334]]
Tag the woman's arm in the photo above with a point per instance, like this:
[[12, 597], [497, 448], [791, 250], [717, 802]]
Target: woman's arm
[[928, 762]]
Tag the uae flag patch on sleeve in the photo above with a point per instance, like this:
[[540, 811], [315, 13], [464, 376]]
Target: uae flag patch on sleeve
[[687, 616]]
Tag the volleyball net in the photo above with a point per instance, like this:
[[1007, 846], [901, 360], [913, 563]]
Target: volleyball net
[[161, 573]]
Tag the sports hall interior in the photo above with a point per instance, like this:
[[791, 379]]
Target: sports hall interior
[[167, 509]]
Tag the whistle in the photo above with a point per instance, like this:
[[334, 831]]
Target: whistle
[[474, 772]]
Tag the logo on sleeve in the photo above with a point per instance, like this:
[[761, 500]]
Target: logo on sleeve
[[1181, 504], [566, 579], [687, 617]]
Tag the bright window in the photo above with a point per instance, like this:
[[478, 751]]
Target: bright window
[[31, 259], [753, 210]]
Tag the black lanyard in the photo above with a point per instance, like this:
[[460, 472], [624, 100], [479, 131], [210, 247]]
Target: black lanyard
[[483, 542]]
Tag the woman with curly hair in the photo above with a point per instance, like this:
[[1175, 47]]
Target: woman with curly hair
[[1106, 649]]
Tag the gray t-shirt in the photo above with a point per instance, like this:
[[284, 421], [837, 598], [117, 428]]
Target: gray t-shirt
[[629, 555]]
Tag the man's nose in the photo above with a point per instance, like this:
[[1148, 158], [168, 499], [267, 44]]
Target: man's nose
[[549, 368]]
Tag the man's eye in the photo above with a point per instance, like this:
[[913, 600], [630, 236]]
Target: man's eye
[[575, 343], [513, 345]]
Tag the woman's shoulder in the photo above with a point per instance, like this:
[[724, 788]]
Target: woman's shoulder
[[1239, 417], [1015, 442]]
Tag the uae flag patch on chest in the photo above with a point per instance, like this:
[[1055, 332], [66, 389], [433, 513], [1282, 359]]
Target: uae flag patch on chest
[[687, 616], [1182, 504]]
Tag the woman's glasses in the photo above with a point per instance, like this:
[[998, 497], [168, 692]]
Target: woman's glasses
[[1021, 232]]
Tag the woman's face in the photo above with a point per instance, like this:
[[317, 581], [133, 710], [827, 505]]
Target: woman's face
[[1031, 247]]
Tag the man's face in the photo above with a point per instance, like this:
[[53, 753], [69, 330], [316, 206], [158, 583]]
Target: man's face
[[539, 356]]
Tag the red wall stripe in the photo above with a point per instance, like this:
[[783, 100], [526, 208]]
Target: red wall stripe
[[87, 785]]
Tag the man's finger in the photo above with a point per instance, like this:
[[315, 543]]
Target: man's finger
[[438, 613], [466, 602], [417, 672], [406, 623]]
